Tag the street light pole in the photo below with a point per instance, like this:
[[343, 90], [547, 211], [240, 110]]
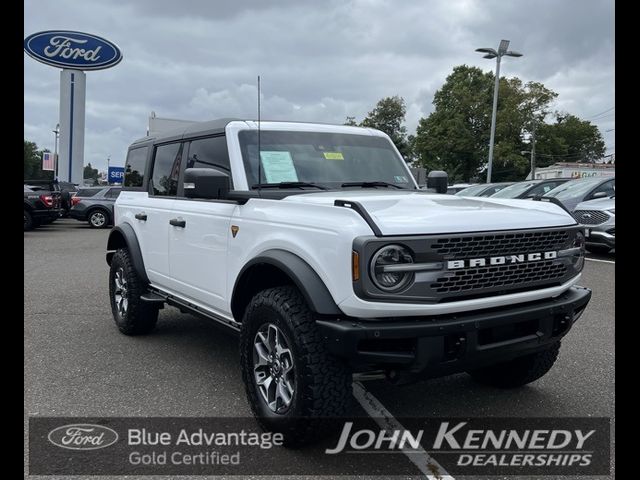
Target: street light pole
[[55, 150], [494, 112], [492, 53]]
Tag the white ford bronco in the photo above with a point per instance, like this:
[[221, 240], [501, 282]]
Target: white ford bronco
[[314, 243]]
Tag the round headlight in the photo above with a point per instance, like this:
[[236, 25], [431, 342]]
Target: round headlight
[[383, 273]]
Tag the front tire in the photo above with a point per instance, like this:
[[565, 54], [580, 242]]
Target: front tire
[[98, 219], [293, 385], [519, 371], [131, 314]]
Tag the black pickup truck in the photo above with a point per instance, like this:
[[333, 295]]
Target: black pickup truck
[[42, 204]]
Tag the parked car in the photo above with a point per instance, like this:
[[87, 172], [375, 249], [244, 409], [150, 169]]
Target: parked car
[[41, 206], [483, 189], [95, 205], [66, 190], [530, 188], [453, 189], [582, 189], [599, 220]]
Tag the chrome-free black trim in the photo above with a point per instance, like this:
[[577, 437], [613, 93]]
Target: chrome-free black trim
[[420, 344], [360, 210]]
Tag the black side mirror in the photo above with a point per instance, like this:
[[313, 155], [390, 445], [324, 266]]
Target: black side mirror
[[207, 183], [438, 180]]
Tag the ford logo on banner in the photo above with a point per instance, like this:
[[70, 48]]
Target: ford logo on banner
[[76, 50]]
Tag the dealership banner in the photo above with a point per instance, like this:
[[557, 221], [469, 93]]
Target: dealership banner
[[449, 447]]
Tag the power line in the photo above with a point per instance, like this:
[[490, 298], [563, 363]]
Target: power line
[[598, 114]]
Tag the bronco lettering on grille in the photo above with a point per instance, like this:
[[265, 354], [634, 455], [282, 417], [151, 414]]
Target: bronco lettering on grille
[[501, 260]]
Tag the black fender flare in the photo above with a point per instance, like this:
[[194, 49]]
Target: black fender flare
[[123, 236], [301, 273]]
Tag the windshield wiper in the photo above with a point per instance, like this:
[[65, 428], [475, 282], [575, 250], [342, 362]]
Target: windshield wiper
[[371, 184], [288, 185]]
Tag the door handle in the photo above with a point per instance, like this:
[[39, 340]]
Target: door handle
[[178, 222], [141, 216]]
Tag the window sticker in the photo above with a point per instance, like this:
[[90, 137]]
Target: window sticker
[[401, 179], [333, 155], [278, 167]]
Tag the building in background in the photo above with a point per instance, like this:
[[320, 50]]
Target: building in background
[[575, 170]]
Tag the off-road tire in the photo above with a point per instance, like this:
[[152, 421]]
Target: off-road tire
[[519, 371], [140, 317], [323, 392]]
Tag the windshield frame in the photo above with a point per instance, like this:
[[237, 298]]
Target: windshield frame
[[236, 150]]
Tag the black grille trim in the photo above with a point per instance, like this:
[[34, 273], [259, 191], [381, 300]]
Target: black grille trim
[[507, 276], [471, 246]]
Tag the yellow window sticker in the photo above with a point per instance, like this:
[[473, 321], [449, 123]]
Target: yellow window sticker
[[333, 156]]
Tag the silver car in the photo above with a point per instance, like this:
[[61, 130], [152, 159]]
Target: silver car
[[583, 189], [599, 220]]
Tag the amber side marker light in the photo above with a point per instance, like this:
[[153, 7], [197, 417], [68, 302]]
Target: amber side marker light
[[355, 266]]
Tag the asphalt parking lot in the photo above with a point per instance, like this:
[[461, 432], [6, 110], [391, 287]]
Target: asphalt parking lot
[[78, 364]]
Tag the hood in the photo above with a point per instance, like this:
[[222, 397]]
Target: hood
[[598, 204], [414, 212]]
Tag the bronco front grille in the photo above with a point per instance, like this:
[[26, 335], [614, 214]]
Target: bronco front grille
[[590, 217], [500, 244], [509, 276]]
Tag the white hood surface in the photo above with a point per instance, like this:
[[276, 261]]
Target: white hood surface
[[414, 212]]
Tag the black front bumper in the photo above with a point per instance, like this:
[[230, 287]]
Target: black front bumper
[[445, 344]]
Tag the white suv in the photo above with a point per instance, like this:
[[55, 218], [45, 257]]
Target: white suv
[[315, 244]]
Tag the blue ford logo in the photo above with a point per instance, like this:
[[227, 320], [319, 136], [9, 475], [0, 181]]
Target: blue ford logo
[[67, 49]]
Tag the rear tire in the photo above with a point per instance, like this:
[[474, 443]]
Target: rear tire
[[98, 219], [131, 314], [519, 371], [598, 249], [28, 221], [311, 389]]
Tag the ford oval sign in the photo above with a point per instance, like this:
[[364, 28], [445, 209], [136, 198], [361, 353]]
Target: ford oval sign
[[76, 50], [83, 436]]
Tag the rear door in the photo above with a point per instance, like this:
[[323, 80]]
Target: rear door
[[198, 248], [148, 210]]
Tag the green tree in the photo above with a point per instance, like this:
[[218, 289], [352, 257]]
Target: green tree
[[33, 162], [455, 136], [350, 121], [569, 139], [90, 173], [389, 115]]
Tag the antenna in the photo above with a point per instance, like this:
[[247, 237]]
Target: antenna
[[259, 158]]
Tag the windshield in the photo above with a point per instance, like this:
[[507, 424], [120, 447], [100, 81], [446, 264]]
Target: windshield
[[573, 188], [328, 159], [515, 190], [473, 191]]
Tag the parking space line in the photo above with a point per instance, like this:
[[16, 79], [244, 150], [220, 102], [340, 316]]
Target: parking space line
[[598, 260], [421, 459]]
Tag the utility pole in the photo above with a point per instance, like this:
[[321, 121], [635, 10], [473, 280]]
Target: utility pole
[[55, 150], [533, 154]]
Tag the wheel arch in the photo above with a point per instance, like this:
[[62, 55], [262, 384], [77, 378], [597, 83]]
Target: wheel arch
[[123, 236], [279, 267]]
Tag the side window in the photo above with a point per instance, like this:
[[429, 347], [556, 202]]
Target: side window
[[113, 193], [539, 190], [209, 152], [134, 168], [608, 187], [166, 169]]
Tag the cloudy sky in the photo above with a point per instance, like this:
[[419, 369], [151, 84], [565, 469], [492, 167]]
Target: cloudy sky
[[319, 61]]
